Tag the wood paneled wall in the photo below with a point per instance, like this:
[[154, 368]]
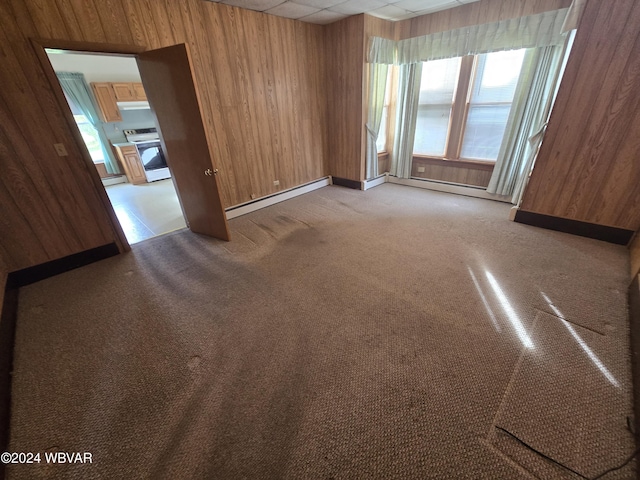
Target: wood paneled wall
[[346, 43], [262, 79], [465, 173], [477, 13], [588, 168], [344, 57]]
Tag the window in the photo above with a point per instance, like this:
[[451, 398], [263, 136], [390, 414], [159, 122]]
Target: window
[[437, 88], [381, 142], [90, 137], [464, 105]]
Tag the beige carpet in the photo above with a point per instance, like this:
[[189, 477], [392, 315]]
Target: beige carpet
[[341, 334]]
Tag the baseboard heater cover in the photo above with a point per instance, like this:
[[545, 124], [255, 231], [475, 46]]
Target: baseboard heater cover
[[447, 187], [244, 208], [374, 182], [619, 236]]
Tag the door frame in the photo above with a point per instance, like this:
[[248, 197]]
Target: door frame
[[39, 46]]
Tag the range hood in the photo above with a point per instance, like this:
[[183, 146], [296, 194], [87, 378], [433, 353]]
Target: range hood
[[133, 105]]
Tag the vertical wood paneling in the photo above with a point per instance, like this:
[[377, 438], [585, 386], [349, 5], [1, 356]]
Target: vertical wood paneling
[[452, 171], [88, 20], [587, 168], [344, 56], [263, 90], [40, 183], [113, 21]]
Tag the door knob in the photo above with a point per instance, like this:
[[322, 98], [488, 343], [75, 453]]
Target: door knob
[[215, 171], [208, 172]]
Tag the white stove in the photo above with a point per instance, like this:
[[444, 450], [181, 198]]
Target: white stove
[[147, 142]]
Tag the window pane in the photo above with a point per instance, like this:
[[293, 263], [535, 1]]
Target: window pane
[[494, 86], [90, 137], [381, 142], [484, 131], [437, 89], [432, 128], [439, 80]]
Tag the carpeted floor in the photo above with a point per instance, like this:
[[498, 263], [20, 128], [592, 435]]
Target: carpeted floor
[[341, 334]]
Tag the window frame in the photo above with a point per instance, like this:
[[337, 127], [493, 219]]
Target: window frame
[[459, 115], [388, 104]]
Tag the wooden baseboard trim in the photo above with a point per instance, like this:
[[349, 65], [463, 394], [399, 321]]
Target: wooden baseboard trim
[[619, 236], [345, 182], [8, 318], [36, 273]]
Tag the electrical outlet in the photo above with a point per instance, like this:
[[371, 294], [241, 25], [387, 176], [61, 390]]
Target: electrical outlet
[[62, 152], [420, 169], [276, 182]]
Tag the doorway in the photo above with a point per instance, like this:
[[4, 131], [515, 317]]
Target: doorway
[[147, 205]]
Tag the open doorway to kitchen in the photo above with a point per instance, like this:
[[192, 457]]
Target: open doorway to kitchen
[[109, 106]]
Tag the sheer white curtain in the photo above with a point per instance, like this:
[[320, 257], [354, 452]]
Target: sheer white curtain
[[76, 88], [376, 91], [525, 127], [406, 117]]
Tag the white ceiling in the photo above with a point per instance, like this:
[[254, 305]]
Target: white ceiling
[[96, 68], [327, 11]]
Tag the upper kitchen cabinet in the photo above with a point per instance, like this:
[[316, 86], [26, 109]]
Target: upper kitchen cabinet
[[129, 92], [106, 99], [138, 92], [109, 93]]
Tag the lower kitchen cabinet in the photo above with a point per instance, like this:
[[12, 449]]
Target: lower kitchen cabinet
[[132, 164]]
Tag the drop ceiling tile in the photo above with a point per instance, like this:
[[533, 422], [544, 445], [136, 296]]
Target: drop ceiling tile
[[353, 7], [323, 17], [390, 12], [259, 5], [426, 5], [321, 4], [292, 10]]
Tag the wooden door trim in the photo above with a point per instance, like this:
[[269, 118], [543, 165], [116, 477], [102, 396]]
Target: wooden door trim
[[39, 46], [93, 47]]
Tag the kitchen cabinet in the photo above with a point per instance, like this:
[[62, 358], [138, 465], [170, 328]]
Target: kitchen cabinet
[[128, 155], [106, 100], [108, 93], [138, 91], [129, 92]]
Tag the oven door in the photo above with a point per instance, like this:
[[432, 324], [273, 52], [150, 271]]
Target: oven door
[[151, 155]]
